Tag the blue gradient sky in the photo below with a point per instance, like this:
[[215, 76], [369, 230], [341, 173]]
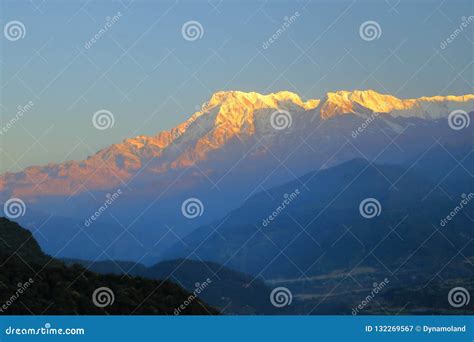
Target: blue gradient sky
[[162, 78]]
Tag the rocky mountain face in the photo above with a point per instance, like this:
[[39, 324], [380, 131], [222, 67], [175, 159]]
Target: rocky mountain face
[[234, 147], [228, 115]]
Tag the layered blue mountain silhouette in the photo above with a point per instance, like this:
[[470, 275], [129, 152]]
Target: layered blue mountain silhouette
[[324, 197], [237, 145]]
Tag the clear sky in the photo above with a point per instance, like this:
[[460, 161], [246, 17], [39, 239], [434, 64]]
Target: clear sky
[[151, 78]]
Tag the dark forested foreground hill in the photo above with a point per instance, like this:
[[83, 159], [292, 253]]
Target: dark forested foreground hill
[[34, 283], [231, 292]]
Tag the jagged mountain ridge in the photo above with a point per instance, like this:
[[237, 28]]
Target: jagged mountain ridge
[[226, 116], [222, 155]]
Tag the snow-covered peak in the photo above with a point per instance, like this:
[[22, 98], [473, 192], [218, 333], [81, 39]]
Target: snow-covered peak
[[347, 102], [227, 116]]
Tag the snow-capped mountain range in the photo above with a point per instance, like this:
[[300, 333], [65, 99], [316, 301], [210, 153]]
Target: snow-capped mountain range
[[228, 115], [237, 145]]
